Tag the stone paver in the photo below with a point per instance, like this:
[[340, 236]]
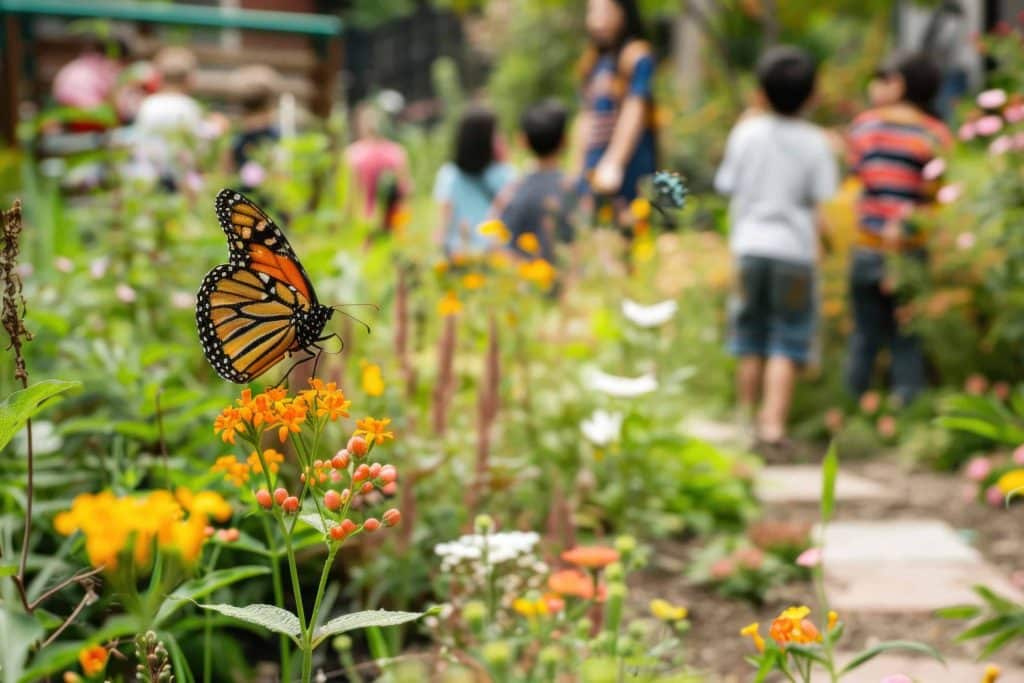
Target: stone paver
[[904, 566], [802, 484], [715, 432], [925, 670]]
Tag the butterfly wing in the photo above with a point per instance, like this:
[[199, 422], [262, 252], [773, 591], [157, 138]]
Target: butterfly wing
[[247, 320], [255, 241]]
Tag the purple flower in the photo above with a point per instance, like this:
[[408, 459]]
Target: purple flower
[[252, 174], [992, 99], [934, 168], [989, 125]]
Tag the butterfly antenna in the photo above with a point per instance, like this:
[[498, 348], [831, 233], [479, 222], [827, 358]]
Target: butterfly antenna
[[352, 317]]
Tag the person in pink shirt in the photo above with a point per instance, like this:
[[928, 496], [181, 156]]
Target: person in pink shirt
[[379, 167]]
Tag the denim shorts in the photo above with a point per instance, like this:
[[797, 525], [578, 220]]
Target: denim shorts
[[773, 309]]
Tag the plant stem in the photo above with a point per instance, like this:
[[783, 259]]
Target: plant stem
[[275, 573], [334, 547]]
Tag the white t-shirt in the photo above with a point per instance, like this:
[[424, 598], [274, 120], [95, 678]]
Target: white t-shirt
[[165, 128], [776, 170]]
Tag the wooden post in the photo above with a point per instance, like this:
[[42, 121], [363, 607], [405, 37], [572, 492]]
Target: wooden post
[[326, 75], [11, 67]]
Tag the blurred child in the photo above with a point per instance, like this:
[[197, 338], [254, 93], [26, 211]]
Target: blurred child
[[258, 88], [883, 89], [169, 120], [466, 187], [537, 203], [379, 167], [889, 147], [777, 169]]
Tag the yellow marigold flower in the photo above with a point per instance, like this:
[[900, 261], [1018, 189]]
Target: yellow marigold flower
[[833, 619], [449, 305], [529, 243], [496, 229], [538, 271], [374, 430], [205, 503], [793, 626], [753, 631], [372, 380], [234, 471], [640, 208], [472, 281], [188, 538], [93, 659], [666, 611], [643, 250], [992, 673], [1011, 482]]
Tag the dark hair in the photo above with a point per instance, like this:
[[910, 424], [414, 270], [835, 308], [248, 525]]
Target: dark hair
[[922, 79], [474, 139], [786, 75], [543, 125], [632, 24]]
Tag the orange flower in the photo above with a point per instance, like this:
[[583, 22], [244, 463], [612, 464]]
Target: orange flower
[[753, 631], [473, 281], [529, 243], [592, 557], [93, 659], [449, 305], [234, 471], [793, 626], [227, 424], [573, 582], [374, 430], [290, 420], [270, 456]]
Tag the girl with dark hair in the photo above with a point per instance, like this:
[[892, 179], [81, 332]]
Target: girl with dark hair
[[616, 124], [466, 186]]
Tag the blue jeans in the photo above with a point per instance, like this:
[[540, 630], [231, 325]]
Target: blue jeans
[[875, 328], [772, 312]]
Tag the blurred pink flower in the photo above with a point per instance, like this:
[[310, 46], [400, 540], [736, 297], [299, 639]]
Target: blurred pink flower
[[965, 241], [194, 181], [994, 496], [934, 168], [992, 99], [1018, 455], [978, 468], [948, 194], [63, 264], [1018, 141], [809, 558], [1014, 113], [25, 270], [124, 293], [1001, 390], [252, 174], [834, 419], [887, 426], [182, 300], [976, 384], [1001, 145], [722, 569], [750, 558], [870, 401], [988, 125], [967, 132], [98, 267]]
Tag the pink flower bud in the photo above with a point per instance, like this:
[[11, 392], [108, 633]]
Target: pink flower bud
[[371, 524], [388, 474], [978, 469], [367, 487], [340, 460], [988, 125], [348, 525], [332, 500], [994, 496], [358, 446], [992, 99], [809, 558], [933, 169], [290, 505], [361, 474], [374, 470], [1018, 455], [392, 517], [264, 499], [279, 495]]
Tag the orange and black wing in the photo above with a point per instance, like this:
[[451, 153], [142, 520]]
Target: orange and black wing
[[256, 242], [247, 321]]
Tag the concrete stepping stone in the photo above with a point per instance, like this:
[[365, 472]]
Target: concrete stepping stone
[[904, 566], [924, 670], [802, 484], [715, 432]]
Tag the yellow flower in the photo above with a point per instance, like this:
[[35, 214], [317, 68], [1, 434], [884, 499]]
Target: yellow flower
[[93, 659], [372, 380], [441, 267], [753, 631], [496, 229], [1011, 482], [530, 608], [992, 673], [234, 471], [473, 281], [640, 208], [270, 456], [529, 243], [205, 503], [401, 219], [539, 272], [374, 430], [666, 611], [449, 305], [643, 250], [833, 619], [793, 626]]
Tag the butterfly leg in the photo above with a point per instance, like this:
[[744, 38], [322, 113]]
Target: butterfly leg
[[294, 365]]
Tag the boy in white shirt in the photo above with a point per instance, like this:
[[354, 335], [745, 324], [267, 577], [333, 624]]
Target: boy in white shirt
[[777, 169]]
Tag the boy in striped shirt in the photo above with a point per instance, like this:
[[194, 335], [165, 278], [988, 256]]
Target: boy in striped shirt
[[889, 147]]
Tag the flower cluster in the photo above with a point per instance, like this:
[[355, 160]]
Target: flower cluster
[[583, 580], [119, 528], [792, 626], [238, 473], [997, 478], [274, 409]]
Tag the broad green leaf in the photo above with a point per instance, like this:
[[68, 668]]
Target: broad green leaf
[[988, 627], [18, 632], [201, 587], [829, 469], [958, 612], [268, 616], [22, 405], [8, 570], [888, 646], [315, 521], [348, 622]]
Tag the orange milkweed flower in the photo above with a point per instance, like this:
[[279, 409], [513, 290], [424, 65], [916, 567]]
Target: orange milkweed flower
[[234, 471], [290, 420], [574, 583], [449, 305], [228, 424], [592, 557], [270, 456], [374, 430], [793, 626], [753, 631], [93, 659]]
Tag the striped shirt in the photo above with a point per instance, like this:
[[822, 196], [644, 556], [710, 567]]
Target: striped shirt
[[889, 148]]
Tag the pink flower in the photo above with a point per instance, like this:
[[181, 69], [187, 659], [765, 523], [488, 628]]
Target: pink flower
[[1018, 455], [948, 194], [967, 132], [988, 125], [994, 496], [976, 384], [722, 569], [98, 267], [809, 558], [897, 678], [965, 241], [978, 468], [934, 168], [992, 99], [870, 402], [1001, 390], [1018, 141], [887, 426], [1014, 113], [63, 264], [182, 300], [25, 270], [1001, 145], [252, 174], [834, 419], [124, 293], [194, 181]]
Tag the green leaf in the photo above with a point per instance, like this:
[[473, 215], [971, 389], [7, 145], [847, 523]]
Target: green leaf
[[8, 570], [812, 652], [201, 587], [348, 622], [268, 616], [958, 612], [829, 469], [23, 405], [999, 641], [988, 627], [315, 521], [996, 601], [888, 646], [18, 632]]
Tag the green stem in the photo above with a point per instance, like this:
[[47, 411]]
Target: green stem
[[334, 547], [275, 573]]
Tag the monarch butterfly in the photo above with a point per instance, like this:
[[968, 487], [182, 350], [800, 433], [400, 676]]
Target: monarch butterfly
[[260, 307]]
